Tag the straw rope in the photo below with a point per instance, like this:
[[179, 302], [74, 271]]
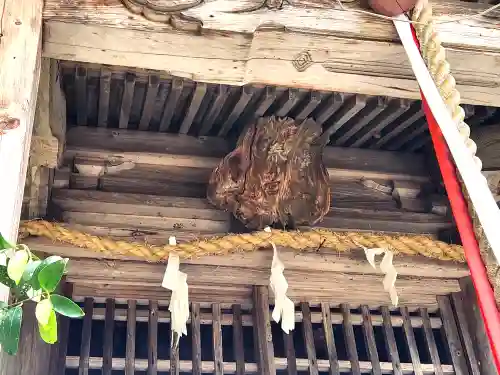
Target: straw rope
[[246, 242], [434, 55]]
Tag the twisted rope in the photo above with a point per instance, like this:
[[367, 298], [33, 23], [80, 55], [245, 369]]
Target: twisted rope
[[246, 242], [434, 55]]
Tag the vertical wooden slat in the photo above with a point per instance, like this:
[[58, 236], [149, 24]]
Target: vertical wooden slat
[[458, 304], [58, 365], [239, 355], [352, 106], [104, 90], [401, 126], [431, 342], [246, 95], [312, 102], [127, 98], [290, 353], [476, 327], [109, 322], [330, 339], [390, 340], [83, 368], [331, 106], [196, 338], [221, 96], [291, 101], [452, 335], [171, 104], [270, 95], [174, 354], [414, 131], [81, 96], [309, 338], [372, 110], [199, 93], [410, 341], [217, 339], [149, 102], [265, 355], [370, 340], [352, 351], [130, 346], [398, 107], [153, 338]]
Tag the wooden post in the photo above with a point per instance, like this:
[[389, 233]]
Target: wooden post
[[20, 51], [476, 327], [262, 322]]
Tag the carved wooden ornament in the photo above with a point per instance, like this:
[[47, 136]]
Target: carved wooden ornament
[[275, 175], [167, 11]]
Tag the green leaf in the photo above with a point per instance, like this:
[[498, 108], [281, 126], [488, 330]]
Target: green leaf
[[34, 295], [51, 271], [4, 244], [48, 332], [4, 277], [17, 265], [10, 329], [43, 311], [30, 270], [3, 304], [65, 306]]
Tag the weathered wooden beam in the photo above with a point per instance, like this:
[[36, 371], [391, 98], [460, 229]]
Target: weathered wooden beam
[[312, 44], [20, 58], [205, 153], [127, 279], [314, 260]]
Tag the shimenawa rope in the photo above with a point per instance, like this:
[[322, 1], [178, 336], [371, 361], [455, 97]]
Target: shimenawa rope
[[305, 240], [434, 55]]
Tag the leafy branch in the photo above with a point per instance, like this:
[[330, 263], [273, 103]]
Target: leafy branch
[[32, 279]]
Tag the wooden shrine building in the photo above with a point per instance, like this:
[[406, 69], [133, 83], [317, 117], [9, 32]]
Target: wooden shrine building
[[126, 107]]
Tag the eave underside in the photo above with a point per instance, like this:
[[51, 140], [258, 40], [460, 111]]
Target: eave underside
[[347, 51]]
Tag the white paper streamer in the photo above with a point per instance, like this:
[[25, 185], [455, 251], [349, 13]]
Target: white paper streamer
[[284, 308], [386, 267], [176, 281]]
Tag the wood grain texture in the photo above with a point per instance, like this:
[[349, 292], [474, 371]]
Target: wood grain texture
[[20, 60], [131, 331], [348, 51], [196, 339], [265, 354]]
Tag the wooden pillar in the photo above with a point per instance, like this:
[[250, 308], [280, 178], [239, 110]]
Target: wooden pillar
[[262, 324], [20, 51], [476, 329], [49, 131]]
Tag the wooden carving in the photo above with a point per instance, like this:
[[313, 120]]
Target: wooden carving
[[275, 175], [167, 11]]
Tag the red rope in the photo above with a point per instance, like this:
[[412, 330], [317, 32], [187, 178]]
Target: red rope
[[484, 291]]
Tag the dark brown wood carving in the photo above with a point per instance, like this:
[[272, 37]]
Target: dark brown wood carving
[[167, 11], [275, 175]]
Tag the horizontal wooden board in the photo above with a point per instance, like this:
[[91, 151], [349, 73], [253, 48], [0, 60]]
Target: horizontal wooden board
[[132, 279], [156, 213], [247, 318], [347, 51], [139, 147], [316, 260]]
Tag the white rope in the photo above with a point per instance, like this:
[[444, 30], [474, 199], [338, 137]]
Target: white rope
[[477, 187]]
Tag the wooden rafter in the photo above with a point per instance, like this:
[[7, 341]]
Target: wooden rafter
[[311, 44]]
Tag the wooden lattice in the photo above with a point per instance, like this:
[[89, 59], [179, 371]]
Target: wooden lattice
[[133, 337]]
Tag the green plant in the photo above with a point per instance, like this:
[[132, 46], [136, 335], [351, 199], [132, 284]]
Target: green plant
[[35, 279]]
